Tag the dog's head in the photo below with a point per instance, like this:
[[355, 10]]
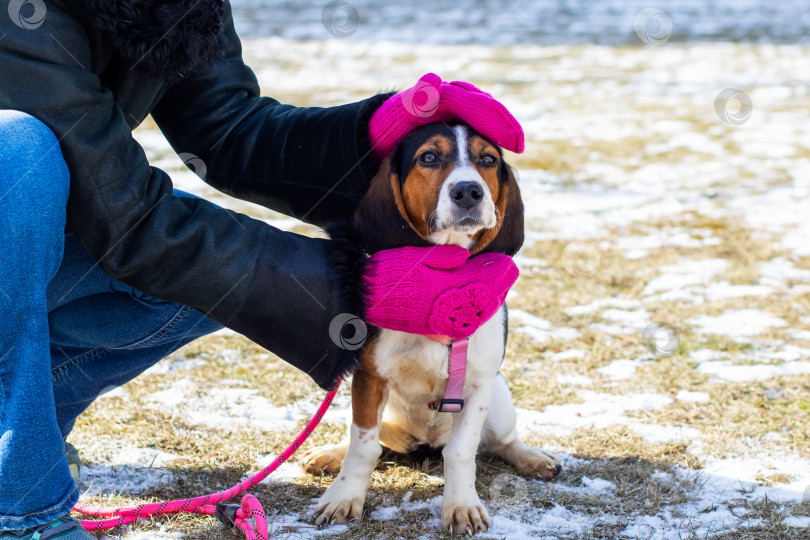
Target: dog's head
[[444, 184]]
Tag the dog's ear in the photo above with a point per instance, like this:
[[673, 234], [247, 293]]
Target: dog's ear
[[507, 235], [380, 220]]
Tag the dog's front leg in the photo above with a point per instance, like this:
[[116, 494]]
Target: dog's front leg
[[344, 499], [462, 511]]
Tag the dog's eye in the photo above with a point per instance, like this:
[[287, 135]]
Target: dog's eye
[[488, 159], [428, 157]]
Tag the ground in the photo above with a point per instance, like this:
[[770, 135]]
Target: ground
[[660, 332]]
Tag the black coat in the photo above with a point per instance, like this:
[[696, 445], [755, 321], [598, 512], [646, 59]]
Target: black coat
[[92, 80]]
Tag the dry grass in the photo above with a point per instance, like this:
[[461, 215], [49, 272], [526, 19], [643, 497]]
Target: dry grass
[[215, 459]]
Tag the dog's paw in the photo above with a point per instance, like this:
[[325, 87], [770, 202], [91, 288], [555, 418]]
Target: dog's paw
[[338, 511], [537, 462], [342, 501], [465, 519], [323, 459]]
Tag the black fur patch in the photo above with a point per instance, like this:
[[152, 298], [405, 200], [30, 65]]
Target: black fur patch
[[425, 451], [378, 223], [161, 39], [411, 143], [348, 263]]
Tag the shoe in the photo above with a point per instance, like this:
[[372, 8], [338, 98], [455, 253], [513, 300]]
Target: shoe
[[65, 528], [74, 462]]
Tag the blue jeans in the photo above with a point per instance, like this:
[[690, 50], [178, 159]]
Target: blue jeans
[[68, 332]]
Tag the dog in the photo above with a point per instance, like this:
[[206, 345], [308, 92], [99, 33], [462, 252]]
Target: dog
[[444, 184]]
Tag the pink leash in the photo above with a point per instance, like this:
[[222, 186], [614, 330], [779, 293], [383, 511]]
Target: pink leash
[[235, 515], [230, 514]]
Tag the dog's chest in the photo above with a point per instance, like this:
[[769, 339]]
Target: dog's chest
[[417, 366]]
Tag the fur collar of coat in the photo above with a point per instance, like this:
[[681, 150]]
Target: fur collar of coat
[[162, 39]]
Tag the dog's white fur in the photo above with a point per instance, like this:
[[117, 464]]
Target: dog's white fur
[[416, 370], [448, 213]]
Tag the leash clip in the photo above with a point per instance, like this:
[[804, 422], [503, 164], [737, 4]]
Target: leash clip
[[452, 405], [226, 513]]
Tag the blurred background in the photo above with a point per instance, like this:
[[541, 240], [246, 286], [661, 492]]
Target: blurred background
[[528, 22]]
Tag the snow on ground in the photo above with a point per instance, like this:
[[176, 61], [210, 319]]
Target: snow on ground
[[678, 276], [621, 369], [571, 354], [177, 363], [596, 305], [597, 410], [799, 335], [223, 407], [721, 484], [286, 472], [726, 476], [605, 410], [541, 330], [762, 363], [728, 371], [723, 290], [692, 397], [738, 323], [130, 469], [574, 380]]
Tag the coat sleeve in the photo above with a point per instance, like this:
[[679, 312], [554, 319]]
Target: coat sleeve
[[279, 289], [308, 162]]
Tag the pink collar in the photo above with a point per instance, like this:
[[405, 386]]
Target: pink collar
[[457, 370]]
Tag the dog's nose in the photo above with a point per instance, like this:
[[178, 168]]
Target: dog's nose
[[467, 194]]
